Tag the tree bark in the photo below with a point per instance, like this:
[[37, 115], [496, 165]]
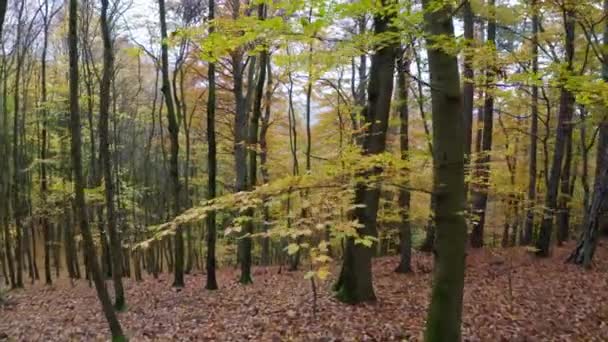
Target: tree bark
[[266, 258], [76, 154], [482, 167], [106, 163], [563, 213], [595, 213], [468, 88], [405, 231], [17, 157], [211, 163], [564, 128], [355, 282], [178, 280], [43, 149], [532, 161], [240, 151], [445, 310]]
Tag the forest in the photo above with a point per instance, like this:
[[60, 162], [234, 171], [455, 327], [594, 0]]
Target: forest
[[303, 170]]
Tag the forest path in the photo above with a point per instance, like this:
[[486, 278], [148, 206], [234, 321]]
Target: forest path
[[546, 300]]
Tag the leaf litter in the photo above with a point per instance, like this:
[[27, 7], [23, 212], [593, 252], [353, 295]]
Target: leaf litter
[[509, 296]]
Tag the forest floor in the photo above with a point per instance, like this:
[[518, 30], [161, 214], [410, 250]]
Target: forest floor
[[509, 296]]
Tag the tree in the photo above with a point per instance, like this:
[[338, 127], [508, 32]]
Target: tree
[[468, 87], [4, 180], [593, 219], [529, 221], [405, 230], [355, 282], [564, 129], [482, 167], [178, 280], [211, 163], [79, 200], [240, 152], [18, 178], [104, 150], [445, 310], [254, 124]]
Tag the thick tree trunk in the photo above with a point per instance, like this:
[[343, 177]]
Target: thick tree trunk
[[564, 129], [240, 151], [76, 142], [355, 282], [445, 310]]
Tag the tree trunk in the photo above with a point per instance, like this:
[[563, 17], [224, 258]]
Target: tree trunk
[[212, 164], [43, 150], [240, 151], [254, 126], [76, 142], [405, 231], [564, 128], [594, 214], [468, 88], [445, 310], [355, 282], [106, 163], [563, 214], [17, 158], [266, 258], [178, 280], [532, 168], [482, 167]]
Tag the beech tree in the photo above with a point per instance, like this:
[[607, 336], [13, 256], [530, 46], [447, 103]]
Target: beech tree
[[79, 199], [104, 149], [445, 310], [354, 284]]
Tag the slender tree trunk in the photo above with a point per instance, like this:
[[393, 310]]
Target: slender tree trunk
[[178, 280], [4, 180], [104, 149], [211, 163], [584, 150], [17, 158], [76, 142], [595, 213], [445, 310], [429, 238], [468, 89], [405, 231], [532, 161], [564, 128], [266, 257], [563, 214], [355, 282], [43, 150], [482, 167]]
